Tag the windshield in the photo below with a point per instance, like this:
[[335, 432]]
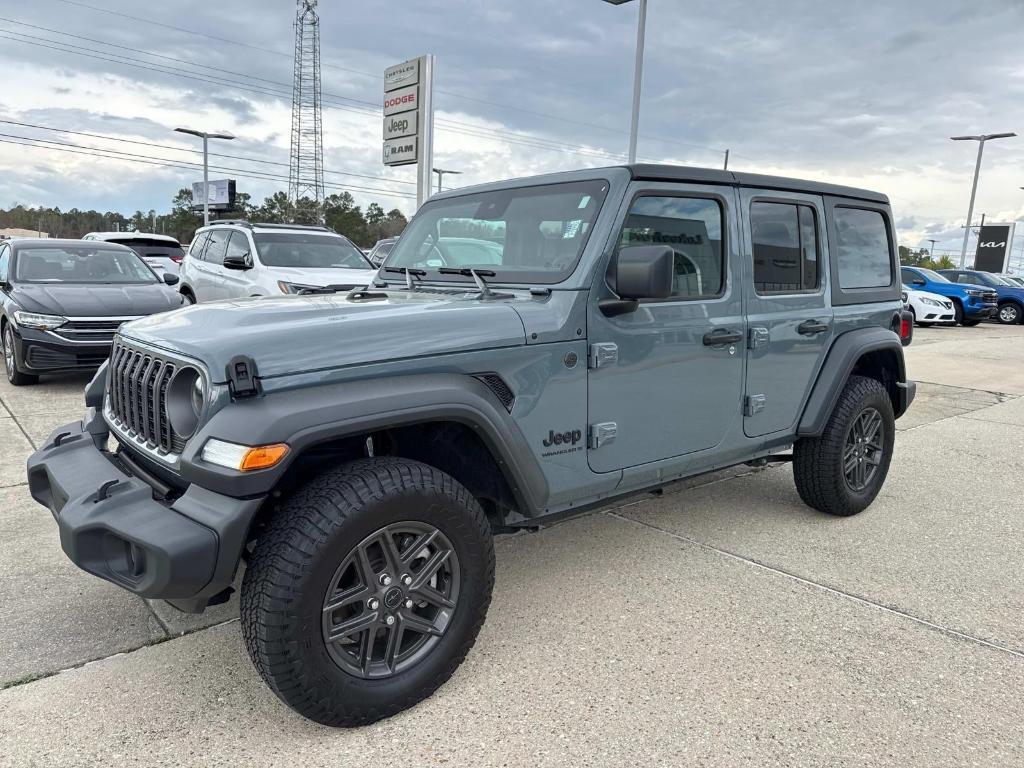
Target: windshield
[[524, 235], [988, 279], [308, 251], [81, 264]]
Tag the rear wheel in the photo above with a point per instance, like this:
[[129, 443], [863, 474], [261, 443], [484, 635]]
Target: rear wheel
[[16, 377], [1009, 313], [367, 590], [841, 471], [187, 295]]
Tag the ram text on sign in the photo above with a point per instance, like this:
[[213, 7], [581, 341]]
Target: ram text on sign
[[402, 100], [401, 75], [400, 151], [404, 124]]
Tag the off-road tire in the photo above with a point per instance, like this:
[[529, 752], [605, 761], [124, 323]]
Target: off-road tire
[[818, 461], [16, 377], [296, 556]]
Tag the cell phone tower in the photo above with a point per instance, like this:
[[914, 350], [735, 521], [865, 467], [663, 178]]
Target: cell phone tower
[[306, 171]]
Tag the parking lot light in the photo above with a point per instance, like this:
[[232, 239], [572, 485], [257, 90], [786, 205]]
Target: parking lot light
[[206, 165], [981, 139], [638, 70]]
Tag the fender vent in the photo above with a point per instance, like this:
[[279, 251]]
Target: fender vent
[[497, 385]]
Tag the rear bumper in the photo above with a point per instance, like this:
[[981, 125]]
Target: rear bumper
[[111, 525], [906, 391]]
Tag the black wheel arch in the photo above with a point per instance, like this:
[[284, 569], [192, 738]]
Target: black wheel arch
[[872, 352], [450, 421]]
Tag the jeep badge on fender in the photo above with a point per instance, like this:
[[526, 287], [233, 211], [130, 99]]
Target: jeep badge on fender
[[358, 450]]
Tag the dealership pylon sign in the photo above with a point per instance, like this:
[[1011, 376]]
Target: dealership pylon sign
[[994, 244], [409, 119]]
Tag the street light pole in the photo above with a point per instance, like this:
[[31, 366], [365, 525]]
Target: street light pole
[[638, 74], [931, 252], [206, 163], [981, 139], [440, 174]]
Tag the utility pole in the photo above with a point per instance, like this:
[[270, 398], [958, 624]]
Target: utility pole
[[638, 74]]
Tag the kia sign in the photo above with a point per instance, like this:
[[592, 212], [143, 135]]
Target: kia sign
[[994, 243], [409, 119], [221, 195], [402, 100]]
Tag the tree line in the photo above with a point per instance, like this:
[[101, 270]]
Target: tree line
[[337, 211], [923, 258]]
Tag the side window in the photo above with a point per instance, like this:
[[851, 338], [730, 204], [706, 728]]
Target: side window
[[862, 248], [908, 276], [217, 247], [962, 277], [195, 250], [238, 245], [785, 247], [5, 262], [692, 226]]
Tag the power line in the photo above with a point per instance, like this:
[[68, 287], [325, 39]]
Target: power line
[[378, 76]]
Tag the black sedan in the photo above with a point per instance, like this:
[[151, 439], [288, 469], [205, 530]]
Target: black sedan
[[63, 301]]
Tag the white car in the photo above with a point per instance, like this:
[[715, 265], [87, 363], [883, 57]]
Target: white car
[[162, 252], [929, 308], [237, 259]]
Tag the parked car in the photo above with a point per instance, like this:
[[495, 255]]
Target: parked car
[[1013, 279], [359, 450], [162, 252], [380, 250], [236, 259], [63, 301], [972, 303], [1010, 296], [929, 308]]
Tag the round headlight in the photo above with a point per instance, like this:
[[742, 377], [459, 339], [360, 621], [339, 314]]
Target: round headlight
[[185, 396]]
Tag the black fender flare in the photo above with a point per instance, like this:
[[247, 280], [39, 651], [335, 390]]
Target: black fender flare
[[842, 357], [305, 417]]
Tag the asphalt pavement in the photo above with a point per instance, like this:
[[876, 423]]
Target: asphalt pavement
[[724, 624]]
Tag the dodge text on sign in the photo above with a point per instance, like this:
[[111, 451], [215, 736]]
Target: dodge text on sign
[[402, 100]]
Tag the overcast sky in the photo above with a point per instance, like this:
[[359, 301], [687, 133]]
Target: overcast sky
[[862, 93]]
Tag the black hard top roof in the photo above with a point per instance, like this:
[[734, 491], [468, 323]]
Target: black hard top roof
[[22, 244], [683, 173]]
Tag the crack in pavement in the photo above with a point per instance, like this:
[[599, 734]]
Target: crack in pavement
[[18, 423], [825, 588]]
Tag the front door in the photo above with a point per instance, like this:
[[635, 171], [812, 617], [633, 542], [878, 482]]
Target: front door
[[788, 310], [666, 379]]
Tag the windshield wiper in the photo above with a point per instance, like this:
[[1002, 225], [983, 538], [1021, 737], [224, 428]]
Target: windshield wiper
[[410, 273], [478, 276]]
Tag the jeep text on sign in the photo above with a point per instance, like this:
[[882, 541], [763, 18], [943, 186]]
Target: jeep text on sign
[[402, 100], [400, 151], [402, 75], [397, 126]]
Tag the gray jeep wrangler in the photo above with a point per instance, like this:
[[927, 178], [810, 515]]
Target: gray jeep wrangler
[[531, 349]]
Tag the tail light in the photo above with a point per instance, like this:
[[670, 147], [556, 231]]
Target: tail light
[[903, 324], [177, 257]]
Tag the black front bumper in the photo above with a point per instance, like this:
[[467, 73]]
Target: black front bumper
[[185, 550], [44, 352]]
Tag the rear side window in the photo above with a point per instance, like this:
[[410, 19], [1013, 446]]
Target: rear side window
[[217, 249], [692, 226], [862, 248], [784, 238], [195, 251]]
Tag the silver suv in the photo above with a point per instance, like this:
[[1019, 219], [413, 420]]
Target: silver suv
[[236, 259]]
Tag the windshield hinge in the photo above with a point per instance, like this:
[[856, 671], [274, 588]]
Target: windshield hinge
[[242, 377]]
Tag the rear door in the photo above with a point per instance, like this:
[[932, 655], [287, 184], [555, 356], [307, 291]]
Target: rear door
[[788, 309], [666, 379], [212, 285]]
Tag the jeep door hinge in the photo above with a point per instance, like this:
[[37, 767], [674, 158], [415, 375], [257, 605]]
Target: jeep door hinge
[[603, 353], [242, 377], [602, 434], [753, 404], [757, 337]]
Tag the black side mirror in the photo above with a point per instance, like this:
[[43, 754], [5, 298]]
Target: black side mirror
[[640, 272], [171, 279], [918, 281], [237, 262]]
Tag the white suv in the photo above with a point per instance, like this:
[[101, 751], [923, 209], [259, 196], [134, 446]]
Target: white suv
[[236, 259], [162, 252]]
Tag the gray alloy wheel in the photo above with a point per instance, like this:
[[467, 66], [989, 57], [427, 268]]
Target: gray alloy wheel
[[9, 352], [1009, 314], [863, 449], [391, 600], [16, 377]]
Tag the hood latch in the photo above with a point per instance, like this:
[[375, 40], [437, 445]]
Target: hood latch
[[242, 377]]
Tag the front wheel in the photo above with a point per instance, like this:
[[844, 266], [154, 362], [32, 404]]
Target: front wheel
[[1009, 314], [367, 590], [841, 471], [16, 377]]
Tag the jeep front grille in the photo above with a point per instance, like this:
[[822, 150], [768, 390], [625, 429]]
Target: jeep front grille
[[137, 397]]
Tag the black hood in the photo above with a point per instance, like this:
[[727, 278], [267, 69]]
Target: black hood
[[79, 300]]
